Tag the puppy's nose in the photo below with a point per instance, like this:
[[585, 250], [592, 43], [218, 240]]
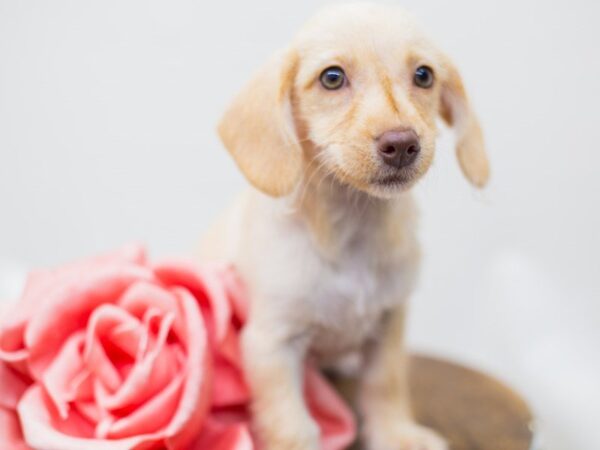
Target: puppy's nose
[[399, 148]]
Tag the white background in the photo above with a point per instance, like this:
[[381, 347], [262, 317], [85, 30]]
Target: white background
[[107, 117]]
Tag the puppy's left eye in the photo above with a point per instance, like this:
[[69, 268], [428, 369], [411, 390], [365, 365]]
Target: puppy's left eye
[[424, 77], [333, 78]]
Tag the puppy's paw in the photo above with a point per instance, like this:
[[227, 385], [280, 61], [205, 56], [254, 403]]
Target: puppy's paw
[[406, 436], [300, 436]]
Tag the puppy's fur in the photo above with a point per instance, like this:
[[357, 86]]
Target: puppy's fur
[[329, 250]]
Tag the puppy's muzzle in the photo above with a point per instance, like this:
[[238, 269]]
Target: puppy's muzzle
[[398, 148]]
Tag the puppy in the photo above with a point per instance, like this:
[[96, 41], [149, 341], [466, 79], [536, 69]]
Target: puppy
[[332, 133]]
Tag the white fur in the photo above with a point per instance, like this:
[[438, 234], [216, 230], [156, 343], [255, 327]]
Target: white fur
[[334, 304]]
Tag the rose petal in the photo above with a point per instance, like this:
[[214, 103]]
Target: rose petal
[[218, 436], [12, 387], [205, 285], [331, 413], [12, 344], [40, 430], [66, 309], [195, 399], [236, 437], [62, 371], [142, 296], [217, 297], [116, 325], [39, 283], [236, 291], [11, 437], [150, 417], [101, 323], [89, 410], [230, 347], [231, 415], [229, 386], [150, 374]]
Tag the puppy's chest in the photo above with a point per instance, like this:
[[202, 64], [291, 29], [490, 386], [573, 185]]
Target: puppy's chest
[[349, 299]]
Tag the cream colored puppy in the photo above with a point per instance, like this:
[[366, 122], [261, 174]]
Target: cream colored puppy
[[332, 133]]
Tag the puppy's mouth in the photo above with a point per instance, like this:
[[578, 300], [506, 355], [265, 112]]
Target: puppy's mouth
[[395, 180]]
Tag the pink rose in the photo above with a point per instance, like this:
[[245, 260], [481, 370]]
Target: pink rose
[[116, 353]]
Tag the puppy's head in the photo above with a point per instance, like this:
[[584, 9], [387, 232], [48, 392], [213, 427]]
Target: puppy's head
[[358, 91]]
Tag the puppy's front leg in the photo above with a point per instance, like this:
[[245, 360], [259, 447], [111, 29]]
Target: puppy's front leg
[[385, 398], [274, 371]]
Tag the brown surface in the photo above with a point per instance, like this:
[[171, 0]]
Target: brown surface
[[471, 410]]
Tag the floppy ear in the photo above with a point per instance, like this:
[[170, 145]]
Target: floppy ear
[[258, 128], [457, 112]]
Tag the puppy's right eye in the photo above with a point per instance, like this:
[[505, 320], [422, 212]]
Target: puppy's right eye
[[333, 78], [423, 77]]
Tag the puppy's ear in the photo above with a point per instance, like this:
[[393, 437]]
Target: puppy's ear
[[258, 128], [457, 112]]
